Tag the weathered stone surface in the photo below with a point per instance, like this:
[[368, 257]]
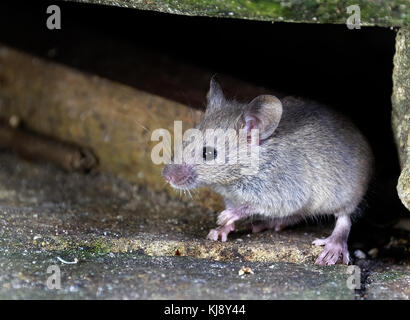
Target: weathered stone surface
[[45, 208], [373, 12], [401, 111], [137, 276], [134, 243], [389, 282]]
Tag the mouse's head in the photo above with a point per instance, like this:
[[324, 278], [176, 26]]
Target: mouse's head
[[225, 145]]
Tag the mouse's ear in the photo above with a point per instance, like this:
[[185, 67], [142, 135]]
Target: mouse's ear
[[215, 96], [263, 113]]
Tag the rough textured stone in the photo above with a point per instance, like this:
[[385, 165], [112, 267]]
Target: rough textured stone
[[134, 243], [137, 276], [373, 12], [45, 208], [389, 282], [401, 111]]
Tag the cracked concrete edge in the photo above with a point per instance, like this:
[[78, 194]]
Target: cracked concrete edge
[[138, 276], [113, 120], [202, 249], [372, 13], [401, 111]]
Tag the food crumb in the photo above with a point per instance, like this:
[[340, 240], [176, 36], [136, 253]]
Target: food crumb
[[245, 270]]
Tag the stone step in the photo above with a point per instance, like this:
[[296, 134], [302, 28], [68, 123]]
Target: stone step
[[23, 275], [44, 207], [127, 242]]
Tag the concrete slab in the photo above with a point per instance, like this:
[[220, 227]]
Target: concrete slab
[[44, 207], [23, 275], [132, 243], [389, 282]]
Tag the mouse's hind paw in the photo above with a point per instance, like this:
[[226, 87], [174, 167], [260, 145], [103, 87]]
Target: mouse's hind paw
[[335, 251]]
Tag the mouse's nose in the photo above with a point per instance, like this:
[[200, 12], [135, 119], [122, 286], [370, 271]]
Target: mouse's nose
[[178, 174]]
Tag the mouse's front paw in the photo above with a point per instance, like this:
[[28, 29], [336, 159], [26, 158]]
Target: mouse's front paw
[[221, 232]]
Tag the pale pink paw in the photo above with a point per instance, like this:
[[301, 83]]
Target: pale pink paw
[[334, 251], [221, 232]]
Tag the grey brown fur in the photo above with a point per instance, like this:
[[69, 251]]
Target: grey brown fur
[[312, 162]]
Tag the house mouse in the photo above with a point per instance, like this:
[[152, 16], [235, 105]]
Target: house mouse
[[312, 162]]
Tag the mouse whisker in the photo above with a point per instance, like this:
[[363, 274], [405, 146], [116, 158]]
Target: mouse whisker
[[143, 127]]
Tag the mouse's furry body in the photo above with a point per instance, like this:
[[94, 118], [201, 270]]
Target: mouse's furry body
[[312, 162], [316, 162]]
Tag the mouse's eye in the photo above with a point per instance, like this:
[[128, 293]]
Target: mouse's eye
[[209, 153]]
